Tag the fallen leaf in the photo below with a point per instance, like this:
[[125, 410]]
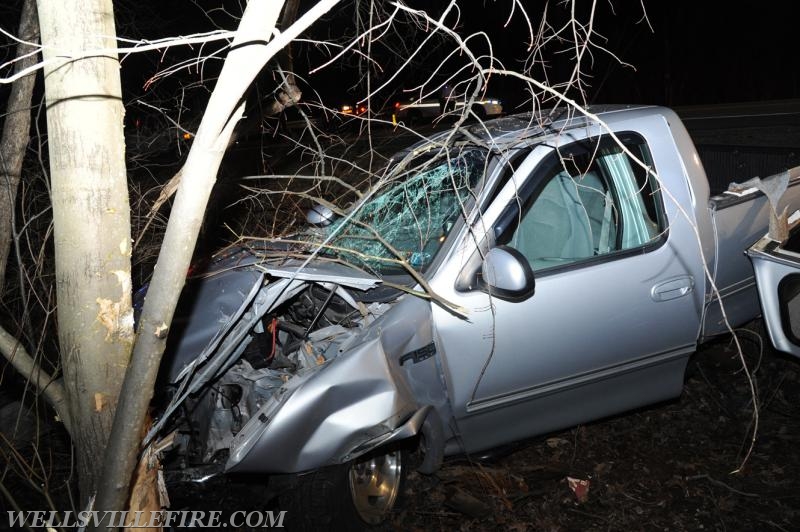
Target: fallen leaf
[[465, 503], [579, 487], [602, 467]]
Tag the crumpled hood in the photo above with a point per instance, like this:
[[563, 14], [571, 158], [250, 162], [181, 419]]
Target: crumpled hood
[[324, 272], [212, 303]]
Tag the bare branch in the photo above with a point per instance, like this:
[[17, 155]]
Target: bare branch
[[52, 389], [249, 52]]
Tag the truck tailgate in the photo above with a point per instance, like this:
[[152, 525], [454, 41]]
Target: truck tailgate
[[777, 270]]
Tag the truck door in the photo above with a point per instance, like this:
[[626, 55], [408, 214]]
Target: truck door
[[614, 315]]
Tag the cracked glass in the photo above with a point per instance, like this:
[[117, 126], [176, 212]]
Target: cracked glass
[[407, 223]]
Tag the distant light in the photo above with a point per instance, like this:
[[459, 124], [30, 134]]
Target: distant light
[[187, 136], [347, 109], [397, 105]]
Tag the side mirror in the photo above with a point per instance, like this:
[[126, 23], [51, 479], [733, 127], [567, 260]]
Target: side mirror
[[507, 274], [320, 215]]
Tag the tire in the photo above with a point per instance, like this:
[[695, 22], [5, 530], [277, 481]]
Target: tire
[[349, 497]]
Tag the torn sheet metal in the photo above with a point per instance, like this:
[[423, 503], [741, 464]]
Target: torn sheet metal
[[329, 273], [773, 188], [362, 398], [227, 341]]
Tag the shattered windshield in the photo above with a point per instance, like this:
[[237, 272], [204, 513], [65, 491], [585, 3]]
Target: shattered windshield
[[411, 218]]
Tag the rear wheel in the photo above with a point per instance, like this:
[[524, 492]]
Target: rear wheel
[[352, 496]]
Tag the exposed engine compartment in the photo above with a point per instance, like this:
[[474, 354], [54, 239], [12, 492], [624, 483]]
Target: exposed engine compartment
[[298, 337]]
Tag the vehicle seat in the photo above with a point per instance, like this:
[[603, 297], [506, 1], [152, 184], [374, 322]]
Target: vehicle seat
[[599, 208], [556, 229]]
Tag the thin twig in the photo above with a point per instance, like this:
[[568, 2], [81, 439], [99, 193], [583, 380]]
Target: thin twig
[[722, 484]]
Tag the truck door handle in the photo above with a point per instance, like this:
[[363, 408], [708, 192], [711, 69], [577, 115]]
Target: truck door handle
[[672, 289]]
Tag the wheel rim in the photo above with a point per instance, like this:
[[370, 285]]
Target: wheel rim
[[374, 486]]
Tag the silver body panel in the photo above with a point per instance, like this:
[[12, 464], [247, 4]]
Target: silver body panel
[[586, 332], [776, 271]]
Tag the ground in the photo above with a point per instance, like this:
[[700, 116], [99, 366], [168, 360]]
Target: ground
[[667, 467]]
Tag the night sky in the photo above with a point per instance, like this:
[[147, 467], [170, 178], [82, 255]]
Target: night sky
[[683, 53], [706, 53]]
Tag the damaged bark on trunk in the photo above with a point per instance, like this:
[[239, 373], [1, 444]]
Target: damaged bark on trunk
[[250, 50], [91, 217]]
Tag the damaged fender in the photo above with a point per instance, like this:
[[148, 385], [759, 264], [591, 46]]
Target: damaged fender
[[349, 406]]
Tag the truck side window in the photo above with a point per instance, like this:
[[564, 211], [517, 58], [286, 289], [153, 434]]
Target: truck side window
[[590, 202]]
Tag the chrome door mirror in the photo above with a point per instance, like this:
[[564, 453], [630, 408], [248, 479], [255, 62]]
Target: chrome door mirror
[[507, 274], [320, 215]]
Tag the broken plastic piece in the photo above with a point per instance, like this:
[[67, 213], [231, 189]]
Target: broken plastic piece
[[773, 188]]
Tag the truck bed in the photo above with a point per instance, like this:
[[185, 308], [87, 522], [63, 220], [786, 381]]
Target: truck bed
[[726, 164], [739, 221], [738, 141]]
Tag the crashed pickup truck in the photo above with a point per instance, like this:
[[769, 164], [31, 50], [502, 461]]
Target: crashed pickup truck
[[522, 276]]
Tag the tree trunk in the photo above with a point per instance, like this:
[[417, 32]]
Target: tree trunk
[[16, 131], [91, 217], [249, 52]]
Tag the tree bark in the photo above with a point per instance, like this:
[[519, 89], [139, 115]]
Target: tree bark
[[91, 217], [252, 47], [199, 175], [16, 131]]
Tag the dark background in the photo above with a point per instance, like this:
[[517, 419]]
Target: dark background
[[677, 53], [705, 53], [680, 53]]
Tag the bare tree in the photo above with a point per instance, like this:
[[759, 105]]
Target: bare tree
[[248, 55], [91, 218], [16, 129], [108, 371]]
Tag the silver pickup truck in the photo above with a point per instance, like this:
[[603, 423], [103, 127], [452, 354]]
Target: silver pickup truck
[[527, 275]]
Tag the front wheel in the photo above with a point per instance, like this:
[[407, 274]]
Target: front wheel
[[375, 483], [352, 496]]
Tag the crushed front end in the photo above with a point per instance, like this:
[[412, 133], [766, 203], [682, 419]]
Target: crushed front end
[[287, 369]]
